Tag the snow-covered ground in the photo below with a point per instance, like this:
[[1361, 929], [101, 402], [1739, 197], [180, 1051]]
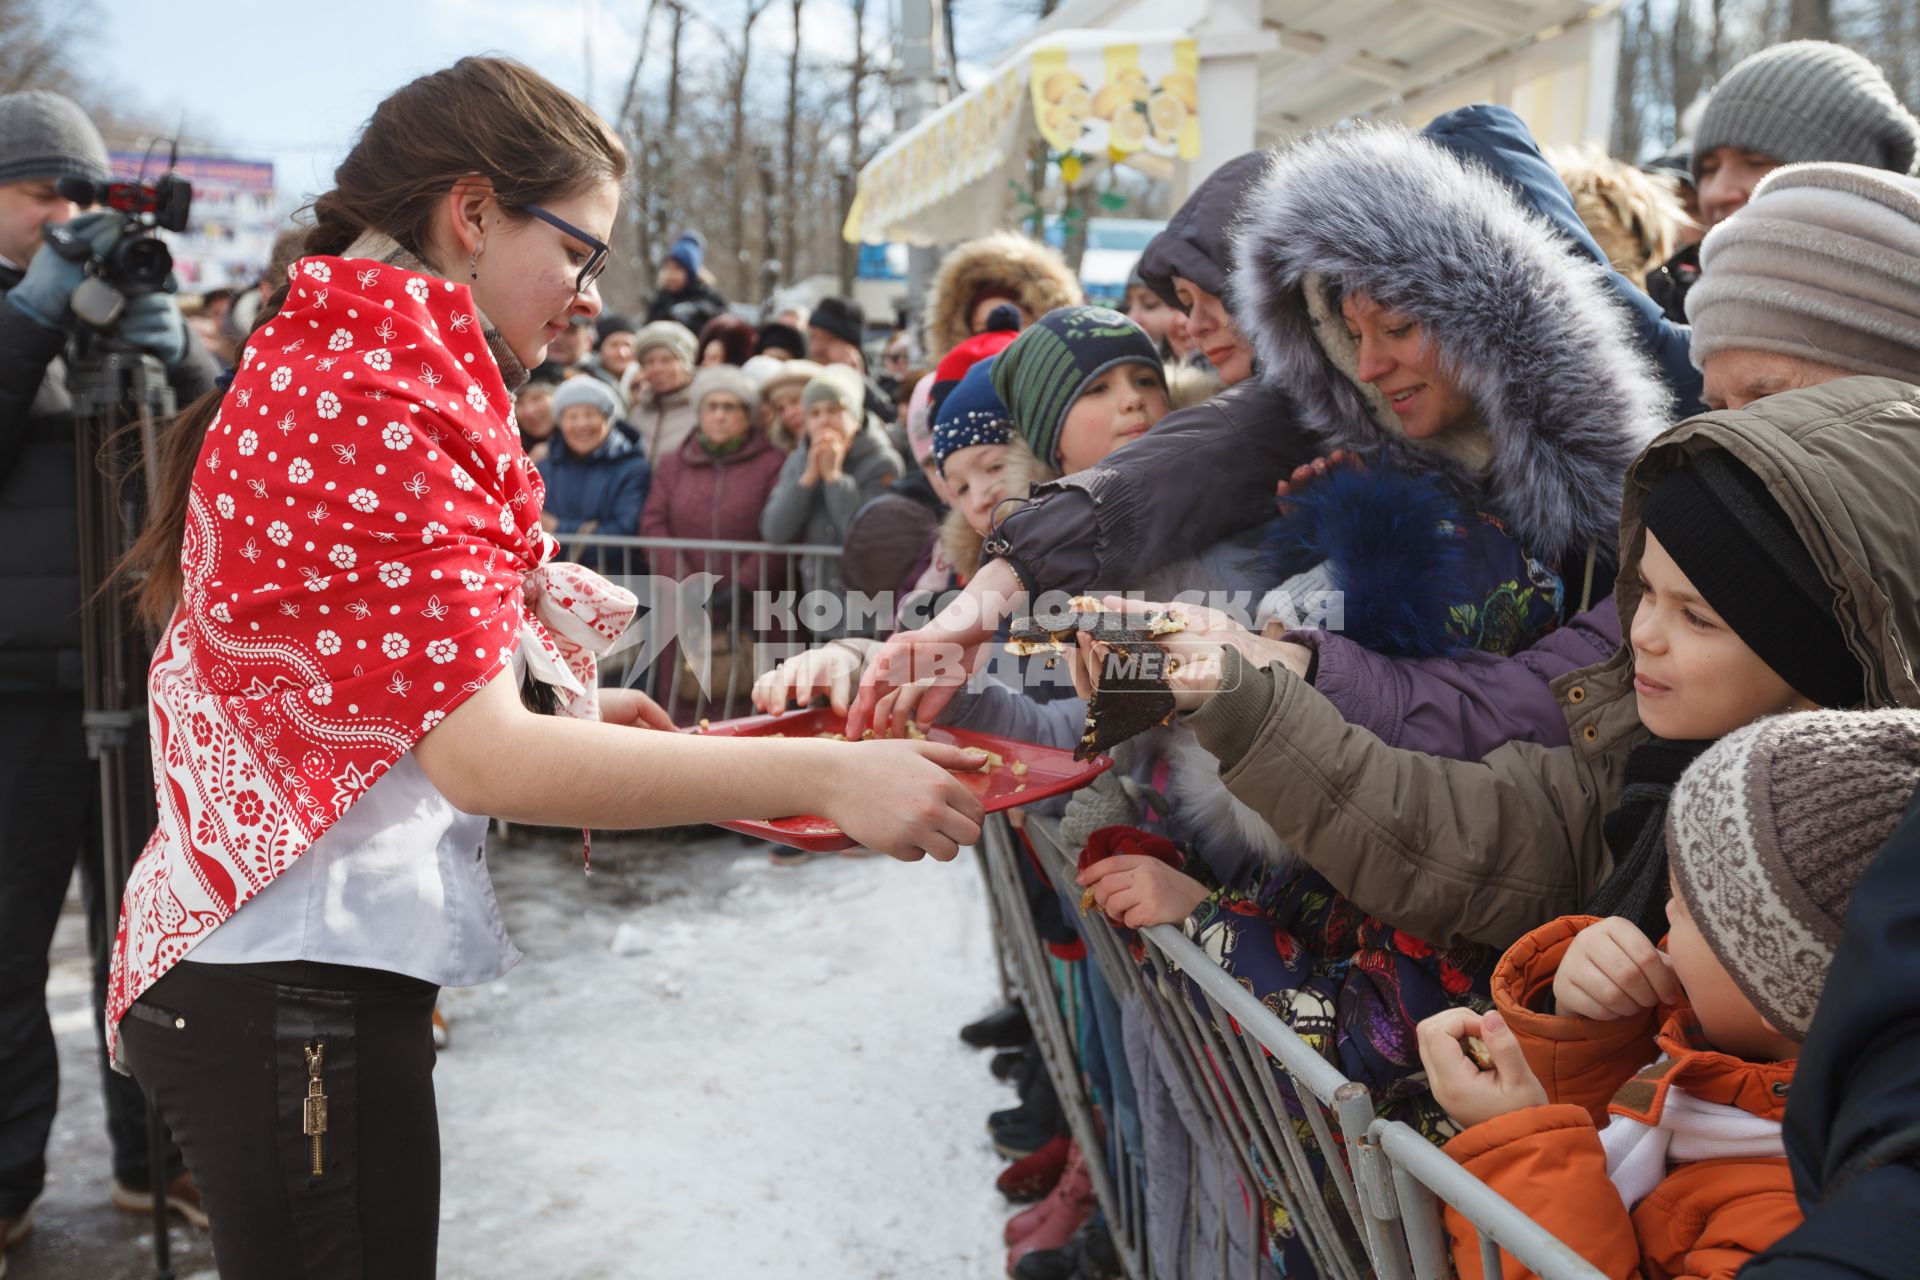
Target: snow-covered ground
[[721, 1068], [707, 1067]]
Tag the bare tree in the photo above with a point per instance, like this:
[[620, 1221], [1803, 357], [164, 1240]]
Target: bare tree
[[856, 116], [790, 223], [737, 150]]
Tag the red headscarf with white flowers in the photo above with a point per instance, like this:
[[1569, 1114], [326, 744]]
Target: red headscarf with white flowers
[[363, 552]]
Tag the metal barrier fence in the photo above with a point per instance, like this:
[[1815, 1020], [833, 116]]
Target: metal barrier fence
[[737, 644], [1385, 1218]]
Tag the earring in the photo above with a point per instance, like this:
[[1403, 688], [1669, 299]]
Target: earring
[[473, 266]]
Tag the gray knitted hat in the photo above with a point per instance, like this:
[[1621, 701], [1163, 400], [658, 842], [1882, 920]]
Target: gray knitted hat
[[1823, 263], [727, 378], [43, 135], [670, 334], [1768, 832], [1809, 100], [584, 388]]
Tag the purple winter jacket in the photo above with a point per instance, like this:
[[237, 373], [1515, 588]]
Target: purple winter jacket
[[695, 495], [1464, 705]]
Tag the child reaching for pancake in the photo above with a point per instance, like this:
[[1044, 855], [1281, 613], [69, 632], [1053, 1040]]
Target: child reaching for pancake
[[1635, 1094]]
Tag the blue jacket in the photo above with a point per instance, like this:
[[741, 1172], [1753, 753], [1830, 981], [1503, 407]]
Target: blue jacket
[[1498, 139], [1853, 1119], [600, 493]]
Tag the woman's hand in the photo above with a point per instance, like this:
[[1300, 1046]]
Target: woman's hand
[[898, 798], [1138, 891], [826, 455], [1612, 971], [1470, 1094], [634, 708], [830, 671], [1311, 472], [943, 653]]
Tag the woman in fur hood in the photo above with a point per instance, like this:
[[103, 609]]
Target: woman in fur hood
[[1417, 315], [1003, 267]]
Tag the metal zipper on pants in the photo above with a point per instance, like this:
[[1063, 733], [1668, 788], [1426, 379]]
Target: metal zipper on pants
[[313, 1121]]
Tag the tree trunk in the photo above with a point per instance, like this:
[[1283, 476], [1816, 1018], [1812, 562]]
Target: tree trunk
[[850, 253], [742, 281], [1810, 20], [789, 190], [663, 168]]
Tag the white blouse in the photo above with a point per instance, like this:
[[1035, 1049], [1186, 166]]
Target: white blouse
[[399, 883]]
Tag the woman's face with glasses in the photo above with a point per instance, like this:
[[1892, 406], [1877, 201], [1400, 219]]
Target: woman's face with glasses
[[530, 270]]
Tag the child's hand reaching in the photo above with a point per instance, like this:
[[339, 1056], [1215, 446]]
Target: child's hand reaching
[[1612, 971], [832, 671], [1309, 472], [1137, 891], [1470, 1094]]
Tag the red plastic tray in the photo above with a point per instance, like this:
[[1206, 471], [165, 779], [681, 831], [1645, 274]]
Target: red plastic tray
[[1050, 771]]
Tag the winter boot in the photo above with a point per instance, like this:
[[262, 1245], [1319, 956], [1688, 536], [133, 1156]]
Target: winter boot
[[1030, 1178], [1055, 1219], [1008, 1065], [182, 1197], [12, 1232], [1004, 1028]]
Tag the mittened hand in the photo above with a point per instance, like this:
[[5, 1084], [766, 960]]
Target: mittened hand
[[152, 322], [1611, 971], [1470, 1093], [45, 293]]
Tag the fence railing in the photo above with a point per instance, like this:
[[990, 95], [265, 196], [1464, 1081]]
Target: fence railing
[[1235, 1067], [1245, 1076], [749, 617]]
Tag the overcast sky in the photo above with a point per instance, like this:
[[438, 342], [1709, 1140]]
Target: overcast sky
[[292, 82]]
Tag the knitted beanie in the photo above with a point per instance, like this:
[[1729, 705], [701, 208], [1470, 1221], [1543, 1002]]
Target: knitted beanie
[[728, 379], [791, 375], [1734, 543], [1003, 326], [1809, 100], [670, 334], [839, 384], [844, 320], [972, 413], [584, 388], [690, 250], [1767, 834], [43, 135], [1044, 370], [783, 336], [610, 323], [1822, 263]]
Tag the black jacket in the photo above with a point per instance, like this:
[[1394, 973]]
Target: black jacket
[[39, 562], [692, 306], [1853, 1118]]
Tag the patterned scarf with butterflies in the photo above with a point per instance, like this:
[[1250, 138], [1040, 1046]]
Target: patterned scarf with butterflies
[[363, 552]]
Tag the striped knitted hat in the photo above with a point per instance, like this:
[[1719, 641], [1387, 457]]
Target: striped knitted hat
[[1045, 369], [1768, 832]]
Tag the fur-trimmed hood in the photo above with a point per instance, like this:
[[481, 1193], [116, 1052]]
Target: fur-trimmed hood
[[1036, 276], [1539, 342]]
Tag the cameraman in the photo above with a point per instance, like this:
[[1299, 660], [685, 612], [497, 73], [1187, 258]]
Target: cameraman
[[48, 786]]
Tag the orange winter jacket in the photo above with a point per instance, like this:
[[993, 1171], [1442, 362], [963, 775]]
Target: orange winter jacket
[[1705, 1218]]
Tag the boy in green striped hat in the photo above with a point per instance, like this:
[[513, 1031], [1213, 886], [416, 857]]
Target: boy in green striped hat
[[1079, 383]]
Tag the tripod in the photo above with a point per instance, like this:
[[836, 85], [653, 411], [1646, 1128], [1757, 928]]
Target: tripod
[[120, 396]]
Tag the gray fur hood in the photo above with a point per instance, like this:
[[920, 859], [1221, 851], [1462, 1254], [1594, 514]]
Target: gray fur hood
[[1567, 398]]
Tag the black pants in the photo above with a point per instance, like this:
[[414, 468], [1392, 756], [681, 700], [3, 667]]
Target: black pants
[[49, 814], [223, 1049]]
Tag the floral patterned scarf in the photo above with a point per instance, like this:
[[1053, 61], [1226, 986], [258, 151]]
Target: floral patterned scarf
[[363, 552]]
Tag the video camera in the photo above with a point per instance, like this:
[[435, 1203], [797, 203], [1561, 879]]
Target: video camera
[[138, 262]]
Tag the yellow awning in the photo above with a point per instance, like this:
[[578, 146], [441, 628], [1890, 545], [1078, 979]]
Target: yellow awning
[[1130, 98]]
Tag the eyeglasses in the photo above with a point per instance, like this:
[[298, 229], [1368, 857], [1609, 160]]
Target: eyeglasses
[[596, 260]]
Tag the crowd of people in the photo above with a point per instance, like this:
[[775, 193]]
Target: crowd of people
[[1551, 839], [1579, 830]]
